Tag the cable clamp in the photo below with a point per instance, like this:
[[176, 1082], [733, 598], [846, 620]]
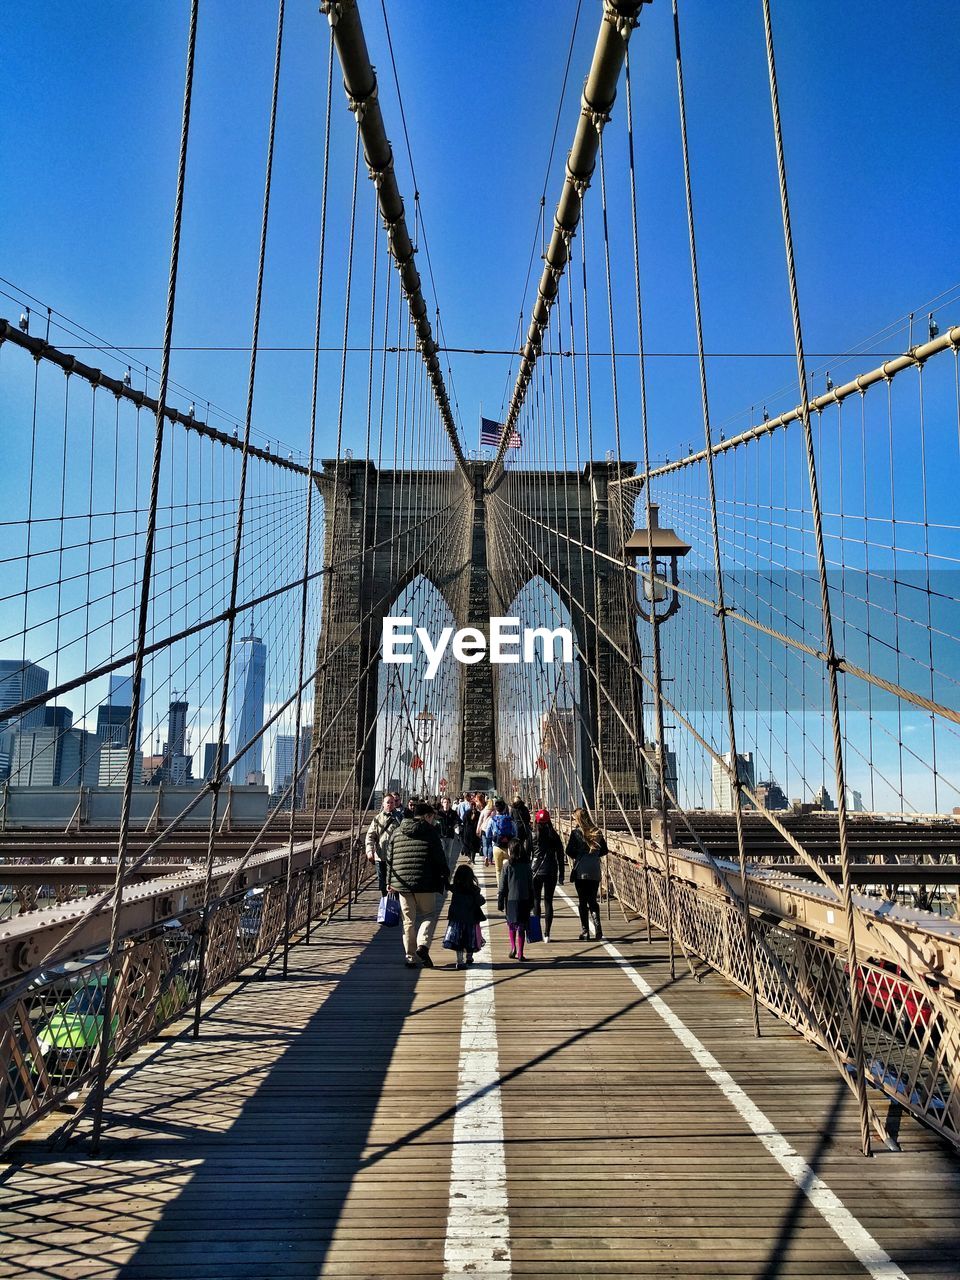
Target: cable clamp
[[377, 176], [835, 662], [580, 185], [360, 105], [622, 23], [332, 10], [720, 610], [598, 118]]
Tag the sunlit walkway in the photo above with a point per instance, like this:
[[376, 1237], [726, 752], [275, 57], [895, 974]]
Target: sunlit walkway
[[310, 1132]]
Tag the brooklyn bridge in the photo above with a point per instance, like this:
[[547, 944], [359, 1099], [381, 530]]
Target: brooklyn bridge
[[704, 629]]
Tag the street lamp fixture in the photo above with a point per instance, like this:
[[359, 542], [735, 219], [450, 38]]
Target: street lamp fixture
[[667, 552], [424, 725]]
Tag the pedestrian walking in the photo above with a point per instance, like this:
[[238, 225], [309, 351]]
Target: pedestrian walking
[[468, 831], [417, 872], [463, 807], [515, 896], [585, 847], [447, 825], [521, 820], [483, 831], [466, 912], [548, 865], [502, 830], [379, 834]]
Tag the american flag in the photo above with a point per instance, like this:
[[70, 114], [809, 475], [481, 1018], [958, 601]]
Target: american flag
[[491, 433]]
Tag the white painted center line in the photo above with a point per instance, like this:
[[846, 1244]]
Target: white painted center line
[[834, 1212], [478, 1222]]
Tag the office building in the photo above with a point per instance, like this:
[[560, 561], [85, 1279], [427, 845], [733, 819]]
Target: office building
[[19, 679], [558, 749], [210, 760], [249, 688], [282, 762], [113, 766], [771, 795], [113, 716], [722, 783]]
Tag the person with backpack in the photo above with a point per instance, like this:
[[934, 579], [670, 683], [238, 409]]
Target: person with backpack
[[515, 896], [466, 912], [585, 847], [502, 829], [548, 865]]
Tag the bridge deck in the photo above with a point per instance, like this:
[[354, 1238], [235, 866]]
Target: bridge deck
[[311, 1130]]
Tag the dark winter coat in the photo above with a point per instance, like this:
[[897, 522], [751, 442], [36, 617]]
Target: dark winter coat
[[548, 861], [586, 861], [447, 823], [416, 862], [466, 907], [468, 831], [515, 899]]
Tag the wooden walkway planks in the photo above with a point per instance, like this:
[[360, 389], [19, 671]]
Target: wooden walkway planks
[[308, 1133]]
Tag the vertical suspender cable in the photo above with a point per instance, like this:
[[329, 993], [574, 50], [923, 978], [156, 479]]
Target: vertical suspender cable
[[238, 536], [831, 653], [298, 763], [654, 625], [145, 581], [715, 531]]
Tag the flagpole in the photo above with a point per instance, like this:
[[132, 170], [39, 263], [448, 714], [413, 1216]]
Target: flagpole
[[480, 433]]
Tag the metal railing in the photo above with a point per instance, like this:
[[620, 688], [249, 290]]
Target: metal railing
[[51, 1030], [911, 1027]]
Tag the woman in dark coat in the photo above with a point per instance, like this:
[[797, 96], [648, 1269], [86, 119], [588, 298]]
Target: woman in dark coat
[[585, 848], [468, 832], [515, 898], [548, 865]]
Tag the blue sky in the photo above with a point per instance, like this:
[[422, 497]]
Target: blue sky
[[89, 153], [88, 162]]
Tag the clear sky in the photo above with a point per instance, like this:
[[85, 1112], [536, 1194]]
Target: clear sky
[[89, 151], [88, 163]]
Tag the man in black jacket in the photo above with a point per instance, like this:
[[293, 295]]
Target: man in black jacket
[[417, 871]]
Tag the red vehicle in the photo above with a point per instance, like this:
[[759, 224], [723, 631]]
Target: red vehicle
[[889, 992]]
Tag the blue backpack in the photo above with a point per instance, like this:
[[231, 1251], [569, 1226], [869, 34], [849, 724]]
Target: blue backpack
[[502, 829]]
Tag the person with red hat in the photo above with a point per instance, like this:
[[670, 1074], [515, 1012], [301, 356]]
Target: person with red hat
[[548, 865]]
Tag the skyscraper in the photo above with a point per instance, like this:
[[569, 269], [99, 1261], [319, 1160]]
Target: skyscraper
[[723, 784], [113, 716], [210, 760], [19, 679], [176, 762], [282, 761], [250, 667]]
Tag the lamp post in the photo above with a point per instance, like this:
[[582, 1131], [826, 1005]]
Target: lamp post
[[658, 552], [423, 730]]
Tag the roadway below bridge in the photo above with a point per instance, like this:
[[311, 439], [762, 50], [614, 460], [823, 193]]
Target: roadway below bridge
[[580, 1115]]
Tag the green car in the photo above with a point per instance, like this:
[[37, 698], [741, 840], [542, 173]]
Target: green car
[[70, 1038]]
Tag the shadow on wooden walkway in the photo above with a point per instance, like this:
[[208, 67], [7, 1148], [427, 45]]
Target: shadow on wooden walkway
[[310, 1132]]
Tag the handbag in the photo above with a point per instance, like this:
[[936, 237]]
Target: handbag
[[534, 931], [453, 938], [388, 912]]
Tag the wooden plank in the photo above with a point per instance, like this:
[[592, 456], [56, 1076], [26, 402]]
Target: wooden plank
[[309, 1132]]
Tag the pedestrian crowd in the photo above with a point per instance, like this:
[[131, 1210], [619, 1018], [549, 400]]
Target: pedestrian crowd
[[424, 851]]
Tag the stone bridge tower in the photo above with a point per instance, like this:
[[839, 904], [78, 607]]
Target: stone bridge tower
[[384, 528]]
